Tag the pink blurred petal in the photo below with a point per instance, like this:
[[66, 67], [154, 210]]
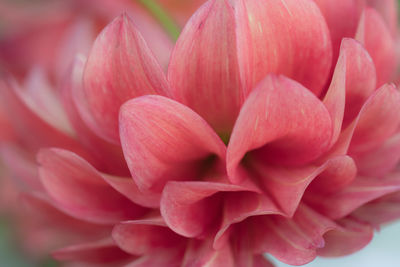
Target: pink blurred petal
[[291, 240], [376, 37], [81, 191], [360, 191], [204, 71], [388, 10], [120, 67], [164, 140], [103, 251], [274, 37], [350, 237], [382, 109], [342, 17], [284, 121], [146, 237], [109, 157]]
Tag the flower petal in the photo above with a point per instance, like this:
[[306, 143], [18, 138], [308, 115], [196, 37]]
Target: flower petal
[[388, 10], [204, 71], [120, 67], [163, 140], [103, 251], [80, 190], [376, 37], [350, 237], [285, 122], [274, 37]]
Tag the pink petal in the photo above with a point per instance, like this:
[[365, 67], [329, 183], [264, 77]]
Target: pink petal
[[200, 253], [163, 140], [120, 67], [144, 237], [359, 192], [71, 90], [127, 187], [286, 186], [191, 208], [286, 123], [293, 241], [103, 251], [274, 37], [378, 120], [376, 37], [204, 72], [349, 238], [342, 17], [380, 161], [388, 10], [80, 190]]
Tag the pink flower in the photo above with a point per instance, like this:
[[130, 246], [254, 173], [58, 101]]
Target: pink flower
[[274, 131]]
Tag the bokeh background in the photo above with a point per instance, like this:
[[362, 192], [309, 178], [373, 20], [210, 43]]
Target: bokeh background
[[383, 251]]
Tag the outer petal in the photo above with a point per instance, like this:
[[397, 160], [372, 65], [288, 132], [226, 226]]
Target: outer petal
[[294, 241], [104, 251], [80, 190], [285, 123], [342, 17], [375, 35], [274, 36], [163, 140], [204, 71], [146, 237], [350, 237], [120, 67], [359, 192], [378, 120]]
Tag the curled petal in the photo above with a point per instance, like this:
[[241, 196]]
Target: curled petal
[[120, 67], [284, 122], [376, 37], [163, 140], [103, 251], [274, 37], [81, 191], [204, 71], [349, 237]]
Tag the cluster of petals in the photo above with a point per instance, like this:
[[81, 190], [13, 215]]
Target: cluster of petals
[[275, 131]]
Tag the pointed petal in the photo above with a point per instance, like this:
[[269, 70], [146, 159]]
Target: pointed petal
[[350, 237], [293, 241], [204, 72], [103, 251], [342, 17], [80, 190], [274, 37], [376, 37], [164, 140], [378, 120], [360, 191], [120, 67], [284, 121], [191, 208], [142, 237], [71, 87]]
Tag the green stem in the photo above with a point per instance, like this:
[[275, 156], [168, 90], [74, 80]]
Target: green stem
[[163, 17]]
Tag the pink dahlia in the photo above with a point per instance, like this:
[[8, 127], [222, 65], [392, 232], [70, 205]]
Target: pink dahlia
[[275, 131]]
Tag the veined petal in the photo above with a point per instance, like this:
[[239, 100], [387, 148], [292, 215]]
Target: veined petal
[[377, 121], [164, 140], [146, 237], [349, 237], [284, 122], [275, 37], [120, 67], [80, 190], [103, 251], [376, 37], [204, 71]]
